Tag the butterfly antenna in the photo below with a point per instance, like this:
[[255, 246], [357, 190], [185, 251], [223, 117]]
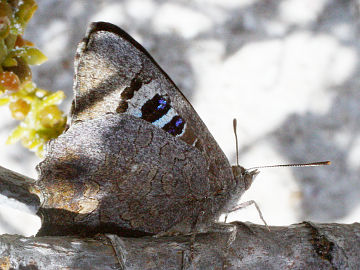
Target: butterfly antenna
[[236, 142], [311, 164]]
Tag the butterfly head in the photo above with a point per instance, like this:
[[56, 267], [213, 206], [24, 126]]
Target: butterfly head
[[247, 176]]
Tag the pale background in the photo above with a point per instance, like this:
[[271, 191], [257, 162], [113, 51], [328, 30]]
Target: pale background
[[287, 70]]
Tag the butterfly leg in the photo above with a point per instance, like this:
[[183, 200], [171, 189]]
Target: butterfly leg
[[191, 230], [246, 204], [231, 231], [194, 231]]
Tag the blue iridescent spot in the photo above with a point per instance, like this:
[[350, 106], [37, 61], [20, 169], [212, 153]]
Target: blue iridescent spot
[[178, 122], [162, 105]]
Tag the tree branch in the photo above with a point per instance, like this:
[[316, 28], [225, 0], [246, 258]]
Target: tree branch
[[235, 246], [16, 186], [300, 246]]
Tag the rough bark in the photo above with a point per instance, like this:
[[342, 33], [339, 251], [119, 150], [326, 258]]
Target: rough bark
[[300, 246]]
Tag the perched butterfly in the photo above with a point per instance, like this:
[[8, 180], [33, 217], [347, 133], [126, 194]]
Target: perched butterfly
[[137, 159]]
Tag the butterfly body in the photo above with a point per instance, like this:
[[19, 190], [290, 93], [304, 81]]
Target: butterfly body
[[137, 158]]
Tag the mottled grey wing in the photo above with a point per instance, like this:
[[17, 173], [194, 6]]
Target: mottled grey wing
[[123, 171], [156, 164], [112, 69]]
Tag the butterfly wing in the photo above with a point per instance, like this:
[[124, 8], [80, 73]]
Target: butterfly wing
[[115, 74], [118, 84]]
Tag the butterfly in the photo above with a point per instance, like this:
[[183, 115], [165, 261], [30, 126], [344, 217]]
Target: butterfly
[[136, 159]]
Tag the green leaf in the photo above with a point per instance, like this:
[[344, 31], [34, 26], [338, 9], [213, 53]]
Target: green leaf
[[9, 62], [30, 55], [26, 10], [3, 50], [4, 101], [53, 99], [16, 135]]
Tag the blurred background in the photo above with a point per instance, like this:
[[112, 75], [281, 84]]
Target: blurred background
[[288, 70]]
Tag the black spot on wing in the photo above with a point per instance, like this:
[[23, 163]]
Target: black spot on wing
[[155, 108], [123, 105], [128, 93], [175, 126]]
